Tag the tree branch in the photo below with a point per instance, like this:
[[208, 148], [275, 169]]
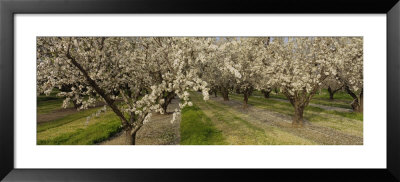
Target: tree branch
[[101, 92]]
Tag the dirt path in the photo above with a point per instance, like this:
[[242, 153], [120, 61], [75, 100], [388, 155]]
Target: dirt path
[[158, 131], [318, 134], [60, 113]]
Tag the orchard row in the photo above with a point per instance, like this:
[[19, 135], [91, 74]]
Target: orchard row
[[136, 76]]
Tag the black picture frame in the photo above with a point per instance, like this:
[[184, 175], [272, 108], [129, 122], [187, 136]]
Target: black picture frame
[[9, 8]]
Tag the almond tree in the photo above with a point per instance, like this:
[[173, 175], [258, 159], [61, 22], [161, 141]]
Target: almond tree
[[218, 69], [125, 73], [266, 88], [333, 85], [163, 60], [265, 84], [349, 66], [298, 66], [245, 59]]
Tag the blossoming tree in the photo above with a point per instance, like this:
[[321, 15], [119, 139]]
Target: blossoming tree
[[245, 63], [218, 69], [298, 66], [349, 66], [129, 74], [333, 85]]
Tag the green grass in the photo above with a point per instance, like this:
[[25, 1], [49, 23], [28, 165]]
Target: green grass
[[332, 103], [205, 123], [350, 122], [197, 129], [42, 98], [271, 95], [64, 120], [340, 95], [72, 130], [241, 129], [341, 99], [287, 108], [48, 104]]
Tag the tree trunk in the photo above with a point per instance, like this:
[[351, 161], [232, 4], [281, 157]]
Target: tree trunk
[[246, 99], [130, 138], [357, 103], [266, 93], [225, 94], [100, 91], [361, 104], [133, 136], [226, 97], [167, 100], [215, 93], [331, 93], [298, 116]]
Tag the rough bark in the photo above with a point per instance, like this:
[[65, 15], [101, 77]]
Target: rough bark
[[245, 99], [300, 100], [357, 103], [246, 93], [225, 93], [361, 104], [167, 100], [130, 137], [332, 92], [133, 136], [299, 104], [298, 116]]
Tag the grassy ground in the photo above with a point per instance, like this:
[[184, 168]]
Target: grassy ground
[[235, 126], [76, 132], [341, 99], [69, 127], [286, 108], [73, 129], [158, 131], [267, 123], [48, 104], [198, 129], [214, 122], [343, 121]]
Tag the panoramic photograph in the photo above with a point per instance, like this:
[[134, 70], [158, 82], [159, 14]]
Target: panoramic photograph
[[199, 90]]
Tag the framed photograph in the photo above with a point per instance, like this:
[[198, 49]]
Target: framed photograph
[[145, 91]]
